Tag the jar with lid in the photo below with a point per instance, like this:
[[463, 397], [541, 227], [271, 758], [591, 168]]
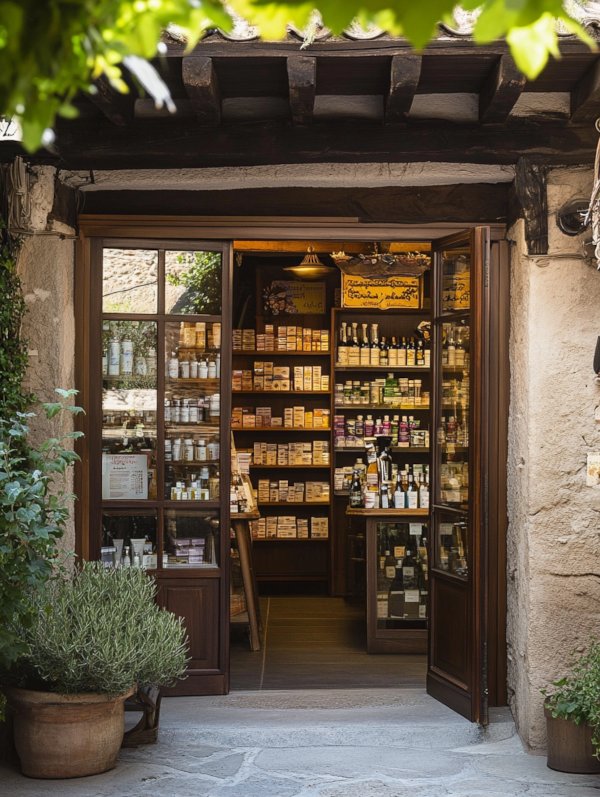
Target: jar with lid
[[193, 411], [202, 370], [185, 411], [176, 411], [177, 449], [188, 449], [168, 450], [212, 369], [213, 451], [201, 451], [214, 405], [193, 368], [184, 369], [167, 412]]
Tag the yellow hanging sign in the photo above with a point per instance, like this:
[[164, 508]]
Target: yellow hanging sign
[[381, 294]]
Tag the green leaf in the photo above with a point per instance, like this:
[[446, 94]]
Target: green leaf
[[531, 46]]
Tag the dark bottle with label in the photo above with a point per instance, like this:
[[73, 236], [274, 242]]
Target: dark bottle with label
[[396, 594], [356, 493]]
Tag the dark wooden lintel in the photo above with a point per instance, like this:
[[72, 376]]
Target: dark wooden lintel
[[405, 72], [202, 88], [302, 80], [176, 143], [585, 98], [116, 107], [466, 203], [500, 91], [65, 205], [531, 193]]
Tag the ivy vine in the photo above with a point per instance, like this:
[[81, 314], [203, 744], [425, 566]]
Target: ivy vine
[[13, 348]]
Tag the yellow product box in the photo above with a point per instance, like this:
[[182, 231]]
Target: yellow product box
[[308, 419], [307, 380], [324, 340], [236, 418], [263, 490], [277, 420], [299, 492], [247, 380], [260, 342], [236, 380], [306, 339], [236, 339], [302, 528], [298, 416], [259, 382], [271, 527], [273, 492], [248, 418], [289, 417]]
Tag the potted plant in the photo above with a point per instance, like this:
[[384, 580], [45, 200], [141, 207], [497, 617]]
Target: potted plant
[[95, 637], [572, 709]]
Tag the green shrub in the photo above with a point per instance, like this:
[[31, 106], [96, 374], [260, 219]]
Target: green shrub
[[101, 631], [576, 697], [33, 514]]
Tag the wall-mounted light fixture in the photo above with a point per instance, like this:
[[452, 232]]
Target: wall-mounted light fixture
[[572, 216]]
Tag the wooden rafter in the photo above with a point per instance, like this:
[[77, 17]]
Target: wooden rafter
[[202, 88], [585, 97], [116, 107], [405, 72], [501, 91], [302, 80]]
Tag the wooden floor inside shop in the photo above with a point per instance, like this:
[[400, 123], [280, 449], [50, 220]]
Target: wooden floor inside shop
[[317, 643]]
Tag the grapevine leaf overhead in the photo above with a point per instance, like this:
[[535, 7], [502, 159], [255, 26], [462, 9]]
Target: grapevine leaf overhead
[[52, 49]]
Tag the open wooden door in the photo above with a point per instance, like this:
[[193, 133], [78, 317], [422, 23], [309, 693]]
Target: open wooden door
[[456, 673]]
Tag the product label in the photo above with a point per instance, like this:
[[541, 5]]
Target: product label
[[408, 572], [415, 529], [399, 551], [390, 572], [411, 595]]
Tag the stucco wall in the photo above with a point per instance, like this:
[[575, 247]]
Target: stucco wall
[[554, 519], [46, 268]]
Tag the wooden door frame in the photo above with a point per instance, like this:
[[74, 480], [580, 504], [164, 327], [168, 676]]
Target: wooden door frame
[[229, 229]]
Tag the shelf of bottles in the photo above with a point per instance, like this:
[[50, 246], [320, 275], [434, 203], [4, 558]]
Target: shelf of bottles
[[381, 409], [453, 415], [161, 417], [402, 574]]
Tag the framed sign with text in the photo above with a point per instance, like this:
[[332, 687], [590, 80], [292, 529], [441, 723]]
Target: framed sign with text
[[288, 297], [389, 293]]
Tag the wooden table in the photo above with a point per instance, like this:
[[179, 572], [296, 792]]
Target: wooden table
[[240, 523]]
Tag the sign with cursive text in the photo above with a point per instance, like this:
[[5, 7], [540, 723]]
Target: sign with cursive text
[[381, 294]]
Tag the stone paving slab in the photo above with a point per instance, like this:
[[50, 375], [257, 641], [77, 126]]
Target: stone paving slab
[[353, 743]]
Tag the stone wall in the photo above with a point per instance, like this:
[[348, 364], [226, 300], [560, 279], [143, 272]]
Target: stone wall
[[46, 266], [554, 519]]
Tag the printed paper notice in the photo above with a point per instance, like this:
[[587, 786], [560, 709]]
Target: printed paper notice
[[593, 469], [124, 476]]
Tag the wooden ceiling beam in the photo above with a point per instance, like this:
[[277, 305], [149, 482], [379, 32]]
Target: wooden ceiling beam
[[116, 107], [202, 88], [302, 81], [500, 91], [585, 97], [405, 71], [176, 143]]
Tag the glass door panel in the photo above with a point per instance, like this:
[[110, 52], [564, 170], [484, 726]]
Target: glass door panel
[[191, 539], [456, 277], [192, 410], [452, 420], [193, 282], [452, 544], [402, 574], [129, 281], [129, 539], [129, 402]]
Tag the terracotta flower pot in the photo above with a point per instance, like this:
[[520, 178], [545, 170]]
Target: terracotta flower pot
[[570, 746], [67, 736]]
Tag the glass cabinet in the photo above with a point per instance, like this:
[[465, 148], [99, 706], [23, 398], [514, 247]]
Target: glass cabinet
[[159, 350], [397, 584]]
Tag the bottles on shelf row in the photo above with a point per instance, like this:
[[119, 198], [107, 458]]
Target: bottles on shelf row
[[281, 491], [452, 548], [268, 376], [404, 431], [382, 485], [455, 392], [281, 338], [191, 449], [200, 335], [183, 365], [290, 527], [293, 418], [192, 410], [315, 452], [453, 431], [390, 391], [402, 575], [368, 349], [454, 346], [129, 420], [120, 358], [138, 552], [454, 482], [201, 486]]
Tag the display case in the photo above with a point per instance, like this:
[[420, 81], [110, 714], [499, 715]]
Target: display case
[[382, 386], [397, 582], [158, 460]]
